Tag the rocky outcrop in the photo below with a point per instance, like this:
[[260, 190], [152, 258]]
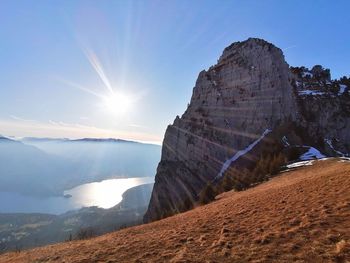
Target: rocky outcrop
[[248, 93], [325, 108], [135, 197]]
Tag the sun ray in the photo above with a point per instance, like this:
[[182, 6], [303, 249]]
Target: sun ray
[[80, 87], [95, 63]]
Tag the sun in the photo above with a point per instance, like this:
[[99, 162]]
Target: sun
[[118, 103]]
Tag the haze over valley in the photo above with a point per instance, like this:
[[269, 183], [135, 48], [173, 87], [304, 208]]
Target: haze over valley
[[37, 173], [62, 186]]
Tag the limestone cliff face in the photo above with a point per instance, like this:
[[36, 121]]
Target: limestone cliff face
[[250, 90], [325, 108]]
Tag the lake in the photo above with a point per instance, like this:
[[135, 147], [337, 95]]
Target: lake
[[104, 194]]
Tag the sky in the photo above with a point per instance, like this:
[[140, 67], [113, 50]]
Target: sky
[[125, 69]]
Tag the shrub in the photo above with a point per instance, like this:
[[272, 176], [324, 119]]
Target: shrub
[[276, 162], [239, 180], [293, 153], [207, 194], [70, 238], [268, 165], [235, 179], [187, 204], [227, 184], [242, 180], [85, 233]]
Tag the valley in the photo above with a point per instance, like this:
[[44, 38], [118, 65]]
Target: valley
[[45, 168], [20, 231], [54, 190]]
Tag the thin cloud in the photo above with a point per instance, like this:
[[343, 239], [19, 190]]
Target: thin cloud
[[290, 47], [58, 129], [80, 87], [53, 122], [137, 126], [21, 119]]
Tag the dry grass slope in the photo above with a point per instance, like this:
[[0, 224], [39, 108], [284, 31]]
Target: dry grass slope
[[300, 216]]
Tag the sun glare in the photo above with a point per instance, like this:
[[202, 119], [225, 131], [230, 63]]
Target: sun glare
[[118, 103]]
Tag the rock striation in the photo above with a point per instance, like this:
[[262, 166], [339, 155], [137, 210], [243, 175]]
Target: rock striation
[[248, 93]]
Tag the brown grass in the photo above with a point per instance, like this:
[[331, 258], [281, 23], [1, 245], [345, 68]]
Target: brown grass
[[300, 216]]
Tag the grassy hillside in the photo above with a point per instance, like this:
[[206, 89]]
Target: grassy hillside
[[299, 216]]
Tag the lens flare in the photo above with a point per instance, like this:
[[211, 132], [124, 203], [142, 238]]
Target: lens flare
[[118, 103]]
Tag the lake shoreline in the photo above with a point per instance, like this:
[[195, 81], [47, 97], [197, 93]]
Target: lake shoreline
[[81, 196]]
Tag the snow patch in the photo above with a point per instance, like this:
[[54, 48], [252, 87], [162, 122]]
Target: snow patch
[[327, 158], [285, 141], [310, 92], [344, 159], [299, 84], [307, 74], [240, 153], [312, 153], [311, 162], [299, 164], [342, 89]]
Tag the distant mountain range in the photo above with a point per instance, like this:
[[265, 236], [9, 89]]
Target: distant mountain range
[[29, 170], [108, 140], [47, 167]]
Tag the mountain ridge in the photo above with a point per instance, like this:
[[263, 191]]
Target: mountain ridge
[[251, 89], [48, 139], [47, 167]]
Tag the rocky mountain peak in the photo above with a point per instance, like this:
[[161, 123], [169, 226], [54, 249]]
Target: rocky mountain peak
[[250, 46], [248, 95]]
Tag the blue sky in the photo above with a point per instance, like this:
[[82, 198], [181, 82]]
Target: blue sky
[[149, 51]]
